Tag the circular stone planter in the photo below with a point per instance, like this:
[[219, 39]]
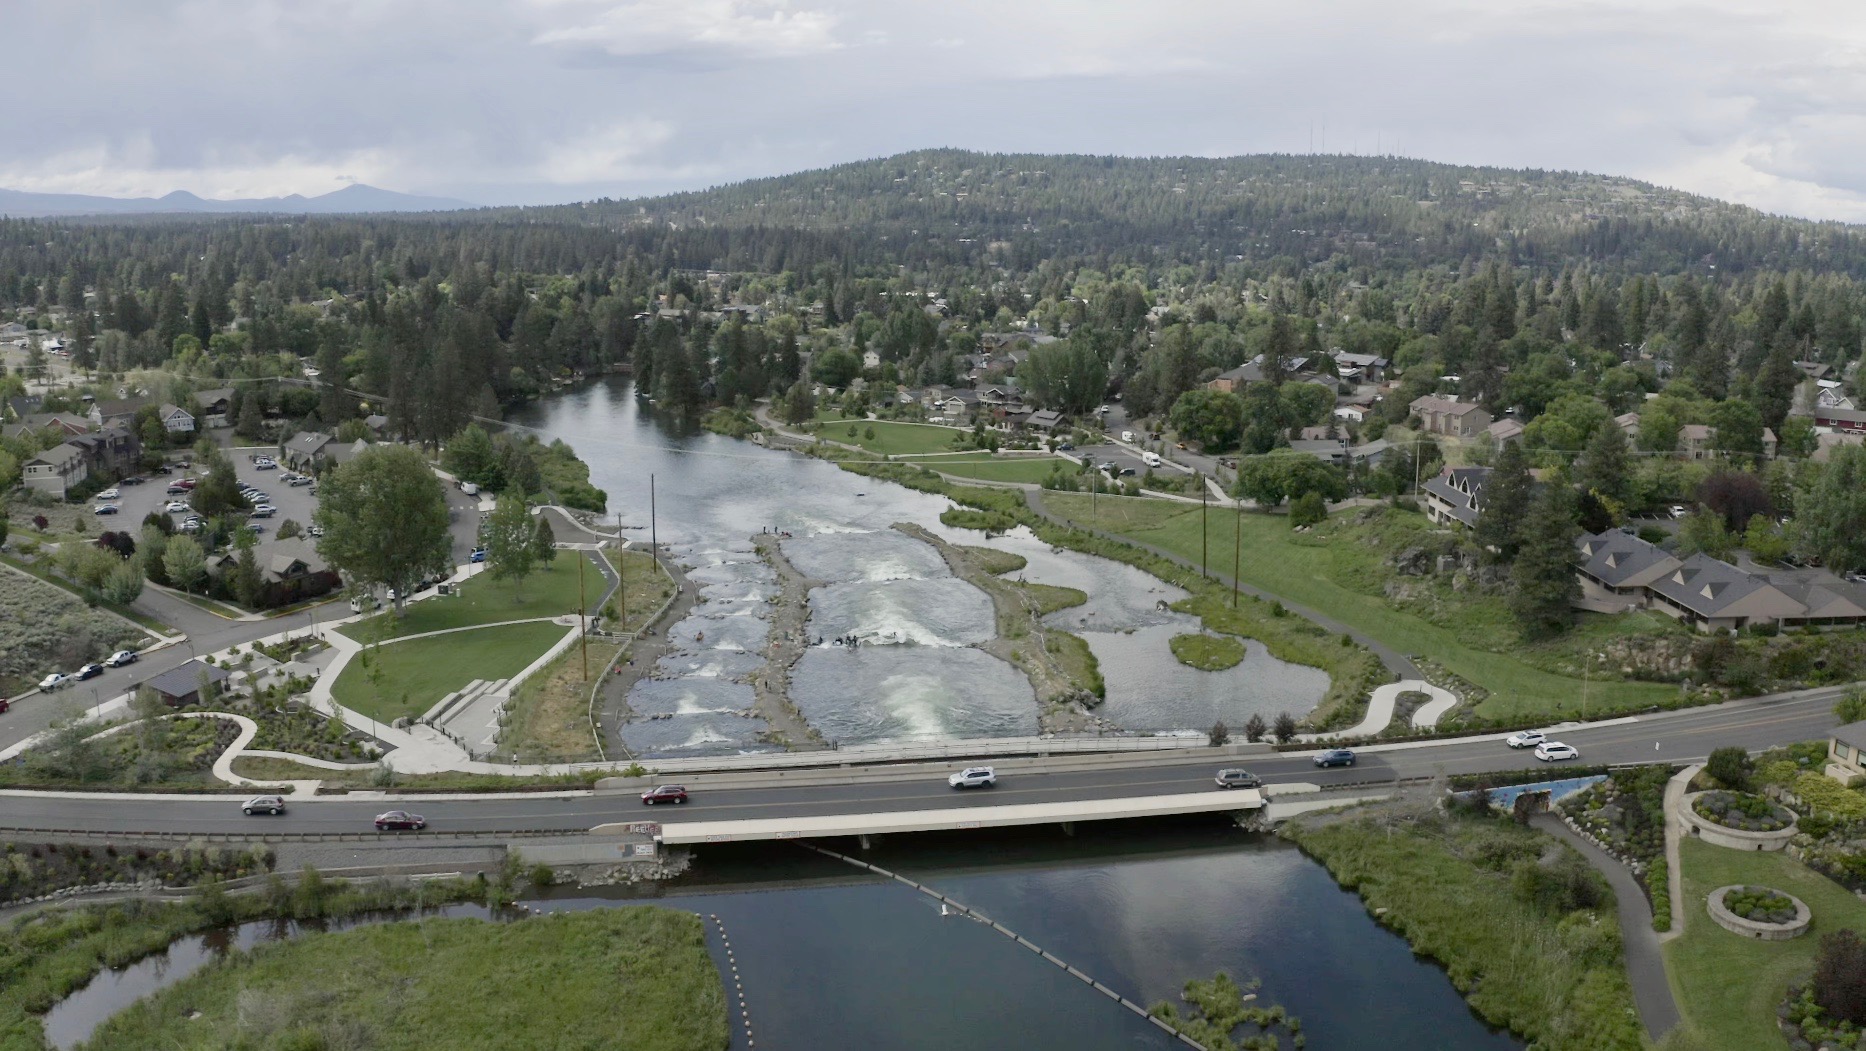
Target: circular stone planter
[[1768, 932], [1735, 838]]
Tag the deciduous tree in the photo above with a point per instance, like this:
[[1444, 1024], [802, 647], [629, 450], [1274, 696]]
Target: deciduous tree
[[384, 517], [510, 550]]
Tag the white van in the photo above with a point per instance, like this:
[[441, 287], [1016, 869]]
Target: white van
[[470, 488], [1151, 459], [1127, 436]]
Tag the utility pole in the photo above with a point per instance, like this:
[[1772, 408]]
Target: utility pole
[[654, 537], [583, 634], [1237, 551], [1204, 542]]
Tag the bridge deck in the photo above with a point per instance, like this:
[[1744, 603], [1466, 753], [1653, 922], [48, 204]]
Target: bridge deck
[[949, 818]]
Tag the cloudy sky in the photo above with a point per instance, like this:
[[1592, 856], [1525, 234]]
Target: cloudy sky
[[534, 101]]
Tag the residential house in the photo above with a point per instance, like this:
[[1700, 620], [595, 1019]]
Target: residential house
[[1456, 419], [56, 470], [25, 405], [1045, 420], [1504, 431], [1850, 421], [1359, 368], [1826, 442], [1297, 368], [871, 359], [120, 410], [290, 570], [1815, 370], [1846, 753], [1327, 450], [1456, 495], [115, 450], [1832, 396], [1713, 595], [215, 406], [1352, 413], [13, 330], [1695, 440], [1233, 380], [1370, 453], [64, 424], [306, 451], [180, 686], [1628, 423], [377, 424], [175, 419]]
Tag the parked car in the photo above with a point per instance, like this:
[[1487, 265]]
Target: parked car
[[187, 483], [298, 480], [314, 531], [400, 820], [105, 509], [176, 490], [974, 777], [176, 507], [1335, 757], [89, 671], [265, 465], [664, 794], [1555, 751], [1127, 436], [1237, 778], [5, 705], [110, 494], [274, 805], [120, 658], [1680, 510], [133, 480], [54, 681], [264, 511], [1526, 738], [478, 555]]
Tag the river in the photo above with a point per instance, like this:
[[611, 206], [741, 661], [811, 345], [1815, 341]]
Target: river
[[711, 494], [834, 958]]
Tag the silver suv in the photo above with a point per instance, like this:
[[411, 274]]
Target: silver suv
[[974, 777]]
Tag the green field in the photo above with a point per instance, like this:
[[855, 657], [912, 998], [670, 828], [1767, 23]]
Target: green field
[[547, 592], [891, 439], [1310, 571], [1030, 469], [636, 977], [407, 678], [1728, 986]]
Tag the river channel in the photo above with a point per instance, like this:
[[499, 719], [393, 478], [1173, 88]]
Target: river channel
[[711, 495], [834, 958]]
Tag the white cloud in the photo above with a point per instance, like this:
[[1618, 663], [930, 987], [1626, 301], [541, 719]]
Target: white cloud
[[613, 153], [738, 28]]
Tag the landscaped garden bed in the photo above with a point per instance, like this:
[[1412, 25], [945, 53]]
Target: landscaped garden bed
[[1742, 811], [1759, 904]]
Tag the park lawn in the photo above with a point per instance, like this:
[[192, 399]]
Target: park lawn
[[415, 674], [1029, 469], [637, 977], [891, 438], [547, 592], [1307, 571], [1728, 986]]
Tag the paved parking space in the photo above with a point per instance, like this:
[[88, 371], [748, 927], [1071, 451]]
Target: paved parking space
[[292, 502]]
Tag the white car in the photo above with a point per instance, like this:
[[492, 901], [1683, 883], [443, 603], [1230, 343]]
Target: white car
[[1526, 738], [54, 681], [1555, 751], [974, 777], [120, 658], [264, 511], [314, 530], [176, 507], [110, 494]]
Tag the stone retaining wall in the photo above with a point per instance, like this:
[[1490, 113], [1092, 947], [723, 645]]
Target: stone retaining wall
[[1735, 838], [1768, 932]]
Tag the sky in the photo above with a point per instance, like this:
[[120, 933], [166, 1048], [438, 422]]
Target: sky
[[545, 101]]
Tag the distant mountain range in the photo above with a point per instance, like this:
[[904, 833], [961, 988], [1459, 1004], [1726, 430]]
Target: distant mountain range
[[349, 200]]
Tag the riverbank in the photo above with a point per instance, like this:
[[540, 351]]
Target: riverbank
[[637, 977], [1524, 928]]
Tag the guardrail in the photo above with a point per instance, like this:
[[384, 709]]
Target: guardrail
[[424, 836]]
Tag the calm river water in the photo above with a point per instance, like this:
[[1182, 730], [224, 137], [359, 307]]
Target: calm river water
[[713, 494], [832, 958]]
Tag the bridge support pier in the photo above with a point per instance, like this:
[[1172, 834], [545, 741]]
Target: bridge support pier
[[867, 840], [1069, 828]]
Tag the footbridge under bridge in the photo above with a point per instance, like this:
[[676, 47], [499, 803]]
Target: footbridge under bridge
[[861, 824]]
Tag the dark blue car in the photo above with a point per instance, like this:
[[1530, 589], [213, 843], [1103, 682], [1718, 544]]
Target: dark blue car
[[1335, 757]]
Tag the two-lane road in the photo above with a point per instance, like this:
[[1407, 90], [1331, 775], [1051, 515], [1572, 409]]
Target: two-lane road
[[1670, 736]]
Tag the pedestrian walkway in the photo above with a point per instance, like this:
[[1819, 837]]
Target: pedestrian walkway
[[1675, 790], [1645, 964]]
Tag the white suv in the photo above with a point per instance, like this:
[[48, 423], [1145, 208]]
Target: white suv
[[974, 777]]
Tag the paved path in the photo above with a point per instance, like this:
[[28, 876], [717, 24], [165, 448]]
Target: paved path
[[1395, 661], [1645, 964], [1675, 790], [1380, 709]]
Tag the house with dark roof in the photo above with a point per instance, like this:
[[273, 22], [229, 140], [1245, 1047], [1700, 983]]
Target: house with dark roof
[[1851, 421], [120, 410], [64, 424], [1045, 420], [1327, 450], [1615, 568], [290, 570], [1456, 495], [214, 407], [1713, 595], [1369, 368], [181, 686], [115, 450], [306, 451]]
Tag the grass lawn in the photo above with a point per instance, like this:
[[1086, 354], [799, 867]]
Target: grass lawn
[[646, 586], [1309, 571], [891, 439], [1030, 469], [547, 592], [1208, 652], [1728, 986], [549, 717], [407, 678], [636, 977]]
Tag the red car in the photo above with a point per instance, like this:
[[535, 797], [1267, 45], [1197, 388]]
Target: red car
[[400, 820], [664, 794], [186, 483]]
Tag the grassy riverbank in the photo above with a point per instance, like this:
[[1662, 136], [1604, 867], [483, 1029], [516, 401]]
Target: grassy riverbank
[[1341, 571], [636, 977], [1728, 986], [1524, 928], [1208, 652], [48, 955]]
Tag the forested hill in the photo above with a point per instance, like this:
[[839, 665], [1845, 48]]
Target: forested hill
[[1394, 214]]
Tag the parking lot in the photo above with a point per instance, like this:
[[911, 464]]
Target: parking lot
[[136, 501]]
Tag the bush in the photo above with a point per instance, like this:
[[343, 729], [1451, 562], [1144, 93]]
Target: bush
[[1840, 976], [1740, 810], [1731, 767], [1760, 905], [1659, 887], [1220, 734]]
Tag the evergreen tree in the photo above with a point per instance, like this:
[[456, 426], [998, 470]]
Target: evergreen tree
[[1543, 585], [1504, 503], [1605, 468]]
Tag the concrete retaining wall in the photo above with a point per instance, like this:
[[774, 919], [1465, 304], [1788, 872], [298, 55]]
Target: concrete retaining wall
[[1768, 932], [1735, 838]]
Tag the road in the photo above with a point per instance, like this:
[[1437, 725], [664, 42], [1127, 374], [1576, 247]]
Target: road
[[1679, 736]]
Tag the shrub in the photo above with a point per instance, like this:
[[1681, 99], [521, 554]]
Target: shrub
[[1220, 734], [1840, 976], [1731, 767], [1759, 904], [1254, 728], [1740, 810], [1285, 728]]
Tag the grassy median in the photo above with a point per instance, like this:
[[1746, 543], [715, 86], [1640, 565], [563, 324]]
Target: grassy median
[[637, 978]]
